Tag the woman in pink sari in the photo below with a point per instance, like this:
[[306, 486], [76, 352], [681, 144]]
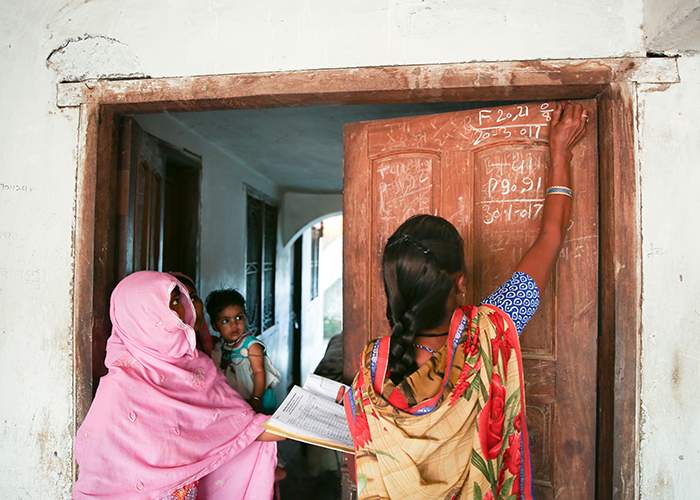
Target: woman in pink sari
[[164, 422]]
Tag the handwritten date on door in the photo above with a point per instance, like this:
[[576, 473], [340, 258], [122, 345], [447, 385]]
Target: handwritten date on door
[[511, 182], [511, 212]]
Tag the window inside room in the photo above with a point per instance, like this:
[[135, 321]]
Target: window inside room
[[261, 255]]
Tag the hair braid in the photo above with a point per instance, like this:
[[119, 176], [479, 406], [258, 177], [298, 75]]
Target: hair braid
[[417, 264], [402, 353]]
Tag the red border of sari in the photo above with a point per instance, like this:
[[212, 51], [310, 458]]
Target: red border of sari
[[527, 484], [383, 359], [472, 311]]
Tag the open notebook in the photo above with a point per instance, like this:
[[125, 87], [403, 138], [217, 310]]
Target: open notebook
[[314, 414]]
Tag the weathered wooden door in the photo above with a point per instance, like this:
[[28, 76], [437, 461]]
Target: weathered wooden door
[[158, 205], [181, 215], [141, 187], [483, 170]]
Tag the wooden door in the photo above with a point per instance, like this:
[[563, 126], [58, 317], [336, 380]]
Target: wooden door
[[483, 170], [148, 214], [181, 216], [141, 188]]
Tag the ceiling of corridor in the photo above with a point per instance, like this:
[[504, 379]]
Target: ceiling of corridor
[[298, 148]]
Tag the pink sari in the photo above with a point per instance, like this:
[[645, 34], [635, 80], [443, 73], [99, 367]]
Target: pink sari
[[164, 416]]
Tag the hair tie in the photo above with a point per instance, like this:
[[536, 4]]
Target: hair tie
[[409, 239]]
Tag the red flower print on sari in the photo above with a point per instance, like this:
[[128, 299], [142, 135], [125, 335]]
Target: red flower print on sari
[[511, 458], [491, 419], [501, 343], [462, 382], [471, 346]]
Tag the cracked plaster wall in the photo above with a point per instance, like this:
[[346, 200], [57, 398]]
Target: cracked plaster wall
[[93, 56], [42, 43], [669, 138]]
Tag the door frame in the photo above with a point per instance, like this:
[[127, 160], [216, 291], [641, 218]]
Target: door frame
[[612, 82]]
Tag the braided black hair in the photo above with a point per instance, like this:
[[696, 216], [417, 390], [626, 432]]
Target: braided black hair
[[418, 265]]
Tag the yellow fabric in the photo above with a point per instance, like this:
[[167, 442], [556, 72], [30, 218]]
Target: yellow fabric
[[439, 454]]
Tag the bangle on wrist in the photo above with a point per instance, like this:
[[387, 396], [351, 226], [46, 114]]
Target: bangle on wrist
[[564, 190], [255, 398]]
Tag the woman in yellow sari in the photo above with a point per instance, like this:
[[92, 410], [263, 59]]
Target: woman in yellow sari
[[437, 409]]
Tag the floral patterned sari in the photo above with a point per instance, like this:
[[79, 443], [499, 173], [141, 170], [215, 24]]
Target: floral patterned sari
[[453, 429]]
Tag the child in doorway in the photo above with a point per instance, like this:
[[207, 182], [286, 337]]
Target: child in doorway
[[240, 355]]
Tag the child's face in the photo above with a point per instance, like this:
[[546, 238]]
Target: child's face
[[230, 323], [176, 304]]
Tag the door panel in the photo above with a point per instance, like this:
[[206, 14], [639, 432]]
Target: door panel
[[484, 171], [141, 214], [181, 215]]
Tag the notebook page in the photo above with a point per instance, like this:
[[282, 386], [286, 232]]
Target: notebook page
[[309, 417], [325, 387]]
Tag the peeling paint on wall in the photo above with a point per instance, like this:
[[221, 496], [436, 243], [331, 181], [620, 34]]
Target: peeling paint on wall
[[88, 57]]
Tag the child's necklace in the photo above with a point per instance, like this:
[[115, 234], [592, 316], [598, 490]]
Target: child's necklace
[[232, 344]]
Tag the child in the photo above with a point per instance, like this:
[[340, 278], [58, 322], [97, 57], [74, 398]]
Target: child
[[239, 354]]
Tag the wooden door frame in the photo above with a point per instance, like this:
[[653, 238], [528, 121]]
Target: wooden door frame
[[611, 81]]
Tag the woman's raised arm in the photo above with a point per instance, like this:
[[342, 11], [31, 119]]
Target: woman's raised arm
[[566, 128]]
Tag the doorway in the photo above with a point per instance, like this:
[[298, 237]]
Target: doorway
[[467, 83], [159, 185], [484, 171]]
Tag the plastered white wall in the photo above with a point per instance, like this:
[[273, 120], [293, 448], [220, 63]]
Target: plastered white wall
[[669, 138], [170, 38], [313, 344], [672, 25], [37, 190], [38, 145], [301, 209]]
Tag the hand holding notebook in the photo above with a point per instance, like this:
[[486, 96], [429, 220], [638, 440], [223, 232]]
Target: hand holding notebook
[[314, 414]]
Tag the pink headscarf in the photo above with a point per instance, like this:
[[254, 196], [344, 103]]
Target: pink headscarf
[[164, 416]]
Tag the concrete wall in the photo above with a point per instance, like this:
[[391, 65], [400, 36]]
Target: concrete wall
[[301, 209], [162, 37], [669, 138], [43, 42], [672, 26]]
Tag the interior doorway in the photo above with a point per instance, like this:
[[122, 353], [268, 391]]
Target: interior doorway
[[617, 221], [181, 220], [158, 204], [157, 208], [296, 312]]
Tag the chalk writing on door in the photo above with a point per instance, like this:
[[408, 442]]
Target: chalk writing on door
[[512, 122], [511, 185], [404, 186]]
